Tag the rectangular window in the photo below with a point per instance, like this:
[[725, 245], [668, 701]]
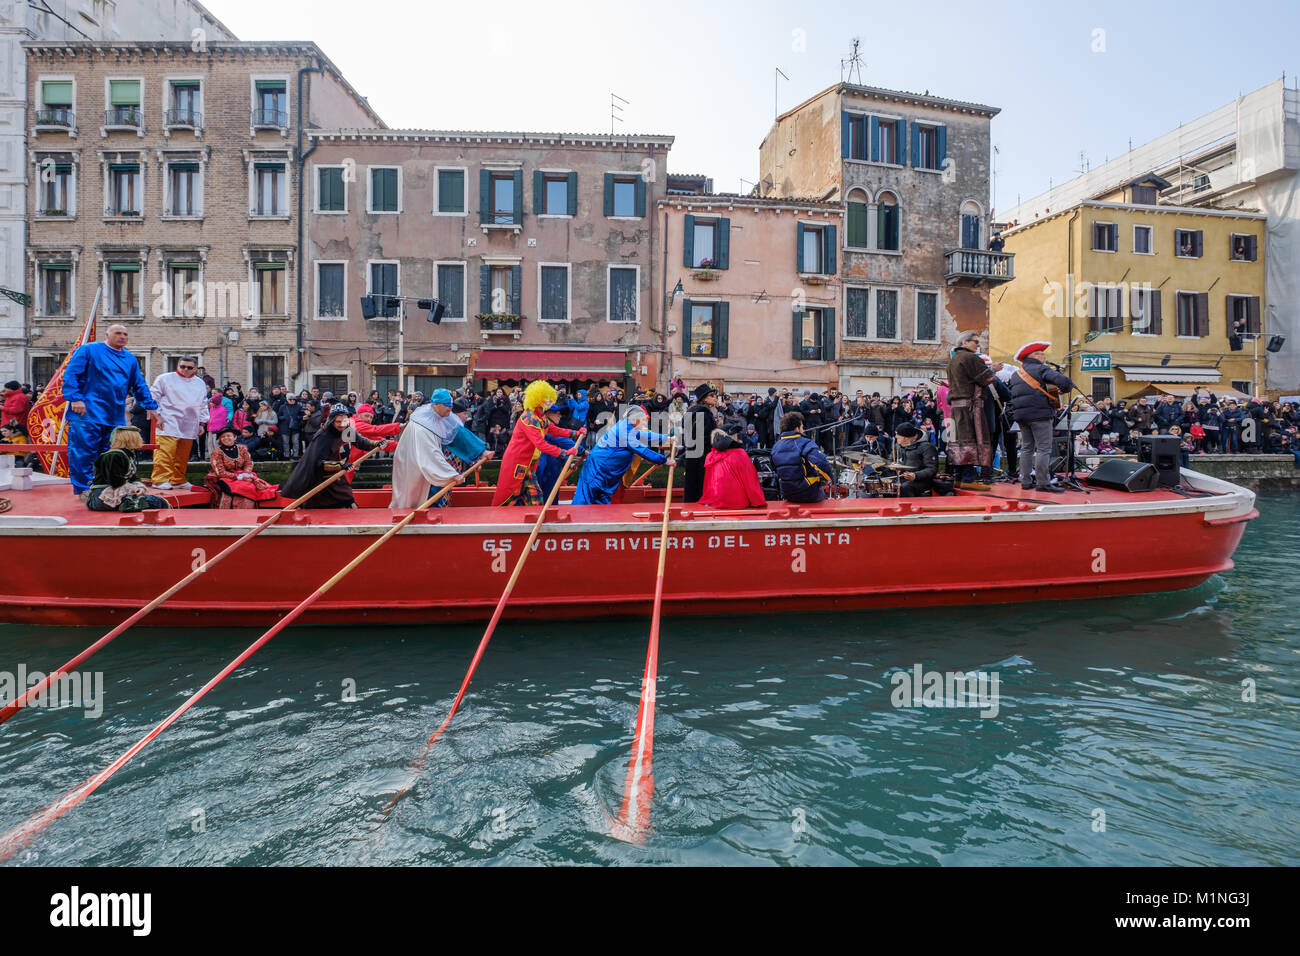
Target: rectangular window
[[124, 288], [183, 189], [886, 314], [887, 225], [927, 321], [1188, 314], [810, 334], [857, 308], [624, 197], [623, 298], [384, 184], [56, 94], [554, 305], [384, 282], [1187, 243], [1142, 240], [184, 290], [858, 237], [338, 384], [124, 189], [184, 109], [270, 194], [123, 103], [270, 103], [331, 279], [702, 320], [811, 250], [56, 188], [857, 137], [1104, 236], [331, 195], [970, 231], [1243, 385], [451, 190], [503, 198], [927, 138], [1243, 314], [1102, 387], [43, 369], [451, 290], [270, 288], [268, 372], [55, 289], [1243, 248], [705, 244], [557, 195], [1105, 305], [499, 282], [1143, 320]]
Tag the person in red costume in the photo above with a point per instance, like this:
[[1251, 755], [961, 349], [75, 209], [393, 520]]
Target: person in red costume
[[517, 481], [730, 480], [363, 423], [16, 404]]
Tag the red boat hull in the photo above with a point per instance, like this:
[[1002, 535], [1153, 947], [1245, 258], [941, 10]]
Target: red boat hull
[[601, 561]]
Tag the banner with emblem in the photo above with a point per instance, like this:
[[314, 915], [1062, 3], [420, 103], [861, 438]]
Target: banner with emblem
[[47, 422]]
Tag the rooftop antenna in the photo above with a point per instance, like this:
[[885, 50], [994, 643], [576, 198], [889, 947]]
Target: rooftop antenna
[[613, 109], [852, 65], [776, 110], [743, 180], [995, 177]]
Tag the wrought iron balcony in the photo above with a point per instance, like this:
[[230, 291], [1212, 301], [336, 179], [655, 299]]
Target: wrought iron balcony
[[269, 118], [978, 266], [187, 118], [60, 117]]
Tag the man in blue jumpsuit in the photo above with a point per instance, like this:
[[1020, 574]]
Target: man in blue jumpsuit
[[96, 382], [613, 455]]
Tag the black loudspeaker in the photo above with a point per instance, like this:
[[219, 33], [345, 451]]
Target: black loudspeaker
[[1162, 451], [1120, 474], [367, 307], [1275, 343]]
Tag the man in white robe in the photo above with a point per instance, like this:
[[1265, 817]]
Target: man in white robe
[[420, 461]]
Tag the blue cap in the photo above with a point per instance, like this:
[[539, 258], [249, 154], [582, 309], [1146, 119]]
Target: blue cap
[[440, 397]]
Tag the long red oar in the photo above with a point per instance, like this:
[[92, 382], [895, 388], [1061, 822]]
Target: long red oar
[[487, 635], [634, 818], [20, 836], [20, 702]]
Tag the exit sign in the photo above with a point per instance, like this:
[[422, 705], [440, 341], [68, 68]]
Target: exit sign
[[1094, 362]]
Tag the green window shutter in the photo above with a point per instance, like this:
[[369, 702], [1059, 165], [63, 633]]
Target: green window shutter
[[539, 192], [875, 140], [941, 149], [271, 86], [124, 267], [796, 335], [273, 167], [485, 288], [484, 196], [67, 167], [519, 199], [798, 255], [609, 194], [724, 243], [846, 135], [124, 92], [640, 196], [1252, 315], [516, 284], [57, 266], [56, 93], [916, 145], [183, 167], [573, 194], [1202, 314], [900, 141], [124, 168], [688, 241], [828, 249], [858, 225], [451, 190], [828, 335], [686, 326], [721, 333], [330, 195], [268, 266]]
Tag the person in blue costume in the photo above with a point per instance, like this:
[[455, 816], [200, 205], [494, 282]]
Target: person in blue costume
[[550, 466], [96, 382], [614, 454], [580, 407]]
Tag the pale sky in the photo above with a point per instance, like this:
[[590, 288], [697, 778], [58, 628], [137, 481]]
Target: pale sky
[[704, 72]]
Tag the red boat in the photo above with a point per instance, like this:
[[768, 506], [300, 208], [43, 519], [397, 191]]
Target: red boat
[[69, 565]]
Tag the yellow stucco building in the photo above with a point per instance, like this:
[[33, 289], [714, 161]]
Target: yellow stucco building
[[1138, 298]]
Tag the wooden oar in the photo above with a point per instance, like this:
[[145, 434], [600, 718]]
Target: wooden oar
[[418, 765], [634, 818], [15, 705], [20, 836]]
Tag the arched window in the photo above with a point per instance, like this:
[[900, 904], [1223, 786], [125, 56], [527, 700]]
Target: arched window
[[972, 219], [888, 225], [858, 237]]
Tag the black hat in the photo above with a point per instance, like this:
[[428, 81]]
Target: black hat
[[906, 430], [460, 405], [701, 391], [871, 429], [15, 385], [230, 429]]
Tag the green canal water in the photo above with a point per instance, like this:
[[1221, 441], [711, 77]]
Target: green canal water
[[1124, 734]]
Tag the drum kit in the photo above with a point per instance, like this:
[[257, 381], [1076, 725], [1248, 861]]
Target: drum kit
[[864, 475]]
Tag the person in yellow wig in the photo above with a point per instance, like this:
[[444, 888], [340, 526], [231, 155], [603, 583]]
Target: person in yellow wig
[[517, 482]]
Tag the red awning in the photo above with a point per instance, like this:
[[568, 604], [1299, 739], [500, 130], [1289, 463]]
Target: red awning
[[541, 363]]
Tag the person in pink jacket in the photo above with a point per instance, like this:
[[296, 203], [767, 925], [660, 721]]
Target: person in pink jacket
[[730, 480]]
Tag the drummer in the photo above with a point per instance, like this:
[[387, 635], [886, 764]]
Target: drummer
[[919, 460]]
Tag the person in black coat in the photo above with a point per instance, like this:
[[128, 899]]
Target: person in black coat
[[802, 471], [1035, 415], [697, 427], [921, 458]]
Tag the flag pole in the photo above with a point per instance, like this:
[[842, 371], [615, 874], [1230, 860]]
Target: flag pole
[[63, 422]]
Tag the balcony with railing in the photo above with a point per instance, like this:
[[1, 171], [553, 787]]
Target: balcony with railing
[[56, 117], [978, 266], [124, 117], [265, 118], [184, 118]]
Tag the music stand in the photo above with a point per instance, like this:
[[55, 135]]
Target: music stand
[[1072, 423]]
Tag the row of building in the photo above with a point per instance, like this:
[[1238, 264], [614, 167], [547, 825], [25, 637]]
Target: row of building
[[239, 201]]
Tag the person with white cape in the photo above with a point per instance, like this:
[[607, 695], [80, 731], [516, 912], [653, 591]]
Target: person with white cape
[[420, 462]]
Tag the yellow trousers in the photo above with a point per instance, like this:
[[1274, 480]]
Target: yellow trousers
[[170, 459]]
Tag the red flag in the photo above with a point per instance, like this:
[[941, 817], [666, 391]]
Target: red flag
[[47, 422]]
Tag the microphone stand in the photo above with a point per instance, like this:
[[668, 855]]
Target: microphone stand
[[1070, 463]]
